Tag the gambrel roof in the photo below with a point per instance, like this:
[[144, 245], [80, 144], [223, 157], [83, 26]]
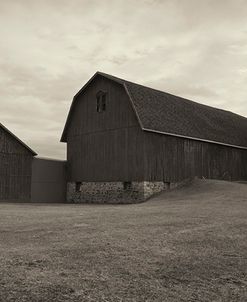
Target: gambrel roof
[[164, 113], [17, 139]]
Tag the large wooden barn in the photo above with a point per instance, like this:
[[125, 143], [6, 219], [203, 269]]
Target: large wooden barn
[[15, 167], [126, 142]]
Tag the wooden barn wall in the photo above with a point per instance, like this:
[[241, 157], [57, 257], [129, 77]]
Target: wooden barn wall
[[15, 169], [106, 146], [173, 159]]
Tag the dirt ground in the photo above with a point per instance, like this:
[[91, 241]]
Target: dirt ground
[[184, 245]]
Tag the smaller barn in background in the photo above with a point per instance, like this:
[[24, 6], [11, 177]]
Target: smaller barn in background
[[15, 167]]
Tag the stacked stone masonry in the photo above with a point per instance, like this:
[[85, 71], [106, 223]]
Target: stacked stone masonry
[[116, 192]]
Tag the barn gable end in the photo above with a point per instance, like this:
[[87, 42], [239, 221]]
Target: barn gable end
[[114, 136]]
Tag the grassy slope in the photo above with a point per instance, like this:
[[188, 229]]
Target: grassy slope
[[185, 245]]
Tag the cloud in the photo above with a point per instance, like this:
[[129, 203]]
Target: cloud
[[49, 49]]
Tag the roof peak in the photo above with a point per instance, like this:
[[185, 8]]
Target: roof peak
[[17, 138]]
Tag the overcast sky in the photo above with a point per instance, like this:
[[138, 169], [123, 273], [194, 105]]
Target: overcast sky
[[193, 48]]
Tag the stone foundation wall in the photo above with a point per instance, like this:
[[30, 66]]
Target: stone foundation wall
[[153, 188], [105, 192], [116, 192]]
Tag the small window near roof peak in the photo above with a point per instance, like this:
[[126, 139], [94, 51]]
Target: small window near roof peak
[[101, 101]]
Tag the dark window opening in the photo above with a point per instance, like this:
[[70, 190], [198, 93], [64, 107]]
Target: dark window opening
[[127, 185], [101, 101], [167, 185], [98, 104], [78, 186]]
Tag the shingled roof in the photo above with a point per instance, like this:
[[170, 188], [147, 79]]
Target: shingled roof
[[16, 138], [164, 113]]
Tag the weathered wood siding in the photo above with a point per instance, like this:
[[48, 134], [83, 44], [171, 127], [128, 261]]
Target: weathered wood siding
[[111, 146], [173, 159], [106, 146], [15, 169]]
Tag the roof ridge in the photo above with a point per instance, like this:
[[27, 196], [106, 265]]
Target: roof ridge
[[166, 93]]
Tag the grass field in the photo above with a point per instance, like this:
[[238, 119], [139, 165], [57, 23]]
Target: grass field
[[184, 245]]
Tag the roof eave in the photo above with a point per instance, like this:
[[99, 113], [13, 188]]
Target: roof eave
[[194, 138]]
